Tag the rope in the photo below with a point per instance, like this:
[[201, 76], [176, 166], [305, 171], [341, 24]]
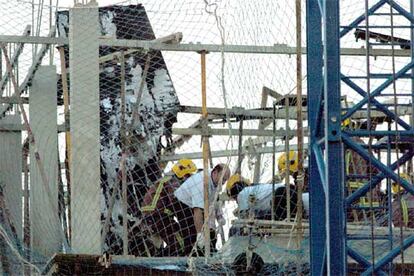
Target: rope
[[15, 251], [220, 28]]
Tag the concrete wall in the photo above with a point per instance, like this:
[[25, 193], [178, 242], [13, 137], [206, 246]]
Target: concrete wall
[[11, 170], [85, 133], [45, 225]]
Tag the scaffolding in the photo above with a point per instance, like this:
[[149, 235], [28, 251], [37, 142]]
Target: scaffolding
[[88, 218], [329, 138]]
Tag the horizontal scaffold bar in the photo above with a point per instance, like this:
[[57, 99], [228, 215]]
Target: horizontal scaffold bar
[[232, 132], [226, 153], [267, 113], [14, 100], [184, 131], [217, 112], [197, 47]]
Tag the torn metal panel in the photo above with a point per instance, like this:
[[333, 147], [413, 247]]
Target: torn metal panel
[[157, 111]]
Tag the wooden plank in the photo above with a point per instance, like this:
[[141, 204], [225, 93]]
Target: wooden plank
[[43, 120]]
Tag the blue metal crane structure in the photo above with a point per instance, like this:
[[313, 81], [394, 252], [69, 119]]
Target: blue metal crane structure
[[329, 242]]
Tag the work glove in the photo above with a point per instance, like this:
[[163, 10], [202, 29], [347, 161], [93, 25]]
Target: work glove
[[200, 240]]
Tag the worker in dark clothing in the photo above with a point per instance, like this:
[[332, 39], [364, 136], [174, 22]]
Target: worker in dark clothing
[[158, 208]]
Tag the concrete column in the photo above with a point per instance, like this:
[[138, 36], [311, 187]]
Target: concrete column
[[46, 235], [84, 122], [11, 170]]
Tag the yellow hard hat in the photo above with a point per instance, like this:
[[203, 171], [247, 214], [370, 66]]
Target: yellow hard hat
[[184, 167], [293, 160], [346, 123], [394, 187], [232, 183]]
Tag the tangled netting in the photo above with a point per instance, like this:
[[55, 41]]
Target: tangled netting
[[100, 140]]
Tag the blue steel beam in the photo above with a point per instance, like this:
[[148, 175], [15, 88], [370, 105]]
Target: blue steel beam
[[377, 179], [368, 157], [386, 171], [412, 56], [358, 257], [319, 113], [331, 170], [381, 27], [361, 18], [401, 10], [321, 165], [380, 106], [378, 76], [361, 260], [336, 253], [314, 83], [377, 133], [321, 7], [389, 257], [378, 90]]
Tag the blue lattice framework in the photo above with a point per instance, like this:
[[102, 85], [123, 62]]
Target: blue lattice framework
[[328, 203]]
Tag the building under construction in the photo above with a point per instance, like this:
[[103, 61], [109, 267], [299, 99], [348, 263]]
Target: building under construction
[[207, 137]]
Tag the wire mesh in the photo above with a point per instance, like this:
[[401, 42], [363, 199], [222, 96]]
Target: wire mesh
[[97, 162], [105, 169], [379, 212]]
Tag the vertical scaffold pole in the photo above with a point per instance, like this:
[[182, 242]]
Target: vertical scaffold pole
[[299, 117], [205, 153], [287, 163]]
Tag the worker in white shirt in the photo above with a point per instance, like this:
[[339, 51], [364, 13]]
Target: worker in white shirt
[[189, 204], [262, 193], [240, 189]]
